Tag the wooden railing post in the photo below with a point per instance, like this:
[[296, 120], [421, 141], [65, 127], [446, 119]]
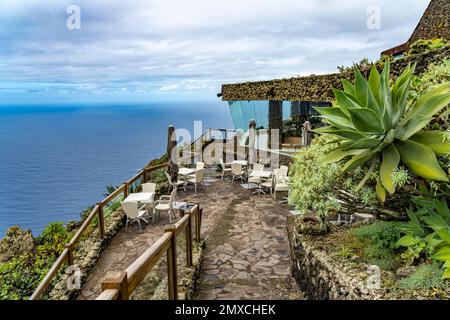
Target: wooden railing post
[[101, 221], [125, 190], [189, 241], [117, 280], [144, 175], [197, 218], [172, 282], [69, 254]]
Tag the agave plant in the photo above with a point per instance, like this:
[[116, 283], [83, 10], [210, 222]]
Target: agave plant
[[376, 125]]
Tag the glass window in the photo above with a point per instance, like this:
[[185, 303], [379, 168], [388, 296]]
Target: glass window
[[242, 112]]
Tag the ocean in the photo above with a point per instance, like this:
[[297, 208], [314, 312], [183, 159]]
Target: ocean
[[57, 160]]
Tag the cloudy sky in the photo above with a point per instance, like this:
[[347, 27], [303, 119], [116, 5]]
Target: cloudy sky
[[153, 50]]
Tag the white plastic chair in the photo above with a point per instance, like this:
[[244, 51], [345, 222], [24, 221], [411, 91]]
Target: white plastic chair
[[237, 171], [200, 165], [256, 180], [173, 185], [149, 187], [284, 170], [165, 204], [134, 214], [197, 179], [281, 181], [224, 167]]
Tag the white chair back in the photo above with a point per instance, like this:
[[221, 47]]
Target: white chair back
[[278, 174], [236, 169], [130, 208], [149, 187], [222, 164], [200, 165], [258, 167], [199, 174], [284, 170]]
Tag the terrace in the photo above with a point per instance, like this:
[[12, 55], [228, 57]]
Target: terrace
[[247, 254]]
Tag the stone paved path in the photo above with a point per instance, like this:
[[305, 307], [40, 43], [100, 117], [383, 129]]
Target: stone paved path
[[247, 254]]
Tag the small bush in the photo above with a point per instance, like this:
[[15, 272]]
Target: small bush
[[378, 243], [427, 276]]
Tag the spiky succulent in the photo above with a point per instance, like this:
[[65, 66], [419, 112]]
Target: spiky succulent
[[376, 125]]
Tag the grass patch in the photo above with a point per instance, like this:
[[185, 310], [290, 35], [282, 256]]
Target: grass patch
[[426, 276]]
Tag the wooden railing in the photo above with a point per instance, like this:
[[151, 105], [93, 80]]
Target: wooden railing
[[67, 255], [119, 285]]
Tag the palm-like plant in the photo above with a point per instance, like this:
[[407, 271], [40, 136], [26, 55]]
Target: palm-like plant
[[375, 124]]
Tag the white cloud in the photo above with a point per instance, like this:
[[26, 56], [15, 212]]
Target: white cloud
[[172, 46]]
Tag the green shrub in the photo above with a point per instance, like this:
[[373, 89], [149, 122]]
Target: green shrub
[[312, 181], [423, 45], [426, 276], [379, 243], [428, 232]]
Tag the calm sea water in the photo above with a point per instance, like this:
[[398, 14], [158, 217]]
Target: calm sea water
[[55, 161]]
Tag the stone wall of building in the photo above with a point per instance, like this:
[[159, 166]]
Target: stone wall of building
[[435, 22], [319, 87]]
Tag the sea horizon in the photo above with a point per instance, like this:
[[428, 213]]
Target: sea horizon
[[57, 159]]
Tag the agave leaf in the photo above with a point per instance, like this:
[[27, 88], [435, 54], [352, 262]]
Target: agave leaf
[[365, 143], [335, 116], [423, 115], [346, 134], [366, 120], [348, 86], [433, 140], [361, 87], [374, 84], [381, 192], [342, 101], [421, 160], [357, 160], [401, 101], [391, 158], [386, 99], [338, 155], [424, 100]]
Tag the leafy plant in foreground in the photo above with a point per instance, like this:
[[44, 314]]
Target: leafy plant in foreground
[[376, 125], [428, 232]]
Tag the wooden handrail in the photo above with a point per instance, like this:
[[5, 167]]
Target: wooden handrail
[[113, 195], [83, 227], [125, 282], [108, 294], [135, 178], [137, 271], [50, 275], [97, 211]]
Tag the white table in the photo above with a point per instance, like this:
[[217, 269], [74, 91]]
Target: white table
[[185, 171], [261, 174], [241, 162], [140, 197]]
